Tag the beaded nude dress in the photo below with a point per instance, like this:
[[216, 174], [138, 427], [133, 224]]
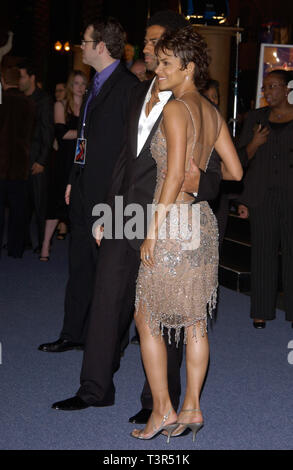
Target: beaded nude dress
[[181, 289]]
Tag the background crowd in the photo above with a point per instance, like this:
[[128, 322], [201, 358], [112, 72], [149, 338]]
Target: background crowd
[[38, 134]]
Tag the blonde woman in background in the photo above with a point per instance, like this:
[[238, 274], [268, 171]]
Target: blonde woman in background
[[66, 115]]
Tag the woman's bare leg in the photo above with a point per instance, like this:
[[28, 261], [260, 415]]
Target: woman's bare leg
[[197, 359], [154, 356], [50, 227]]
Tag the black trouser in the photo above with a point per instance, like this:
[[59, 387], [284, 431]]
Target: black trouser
[[111, 314], [37, 203], [83, 254], [14, 194], [271, 228]]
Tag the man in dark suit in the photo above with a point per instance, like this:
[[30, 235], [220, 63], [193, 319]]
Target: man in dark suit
[[101, 131], [134, 178], [40, 150], [16, 130]]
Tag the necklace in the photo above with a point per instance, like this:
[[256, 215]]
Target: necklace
[[281, 115]]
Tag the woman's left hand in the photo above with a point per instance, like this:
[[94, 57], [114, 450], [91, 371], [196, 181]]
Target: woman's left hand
[[147, 252]]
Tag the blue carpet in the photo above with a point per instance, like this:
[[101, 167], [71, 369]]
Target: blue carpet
[[246, 401]]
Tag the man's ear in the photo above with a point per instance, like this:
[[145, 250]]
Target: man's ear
[[101, 46]]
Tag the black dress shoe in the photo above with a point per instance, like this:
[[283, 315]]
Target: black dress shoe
[[77, 403], [74, 403], [60, 345], [38, 250], [141, 417], [260, 325]]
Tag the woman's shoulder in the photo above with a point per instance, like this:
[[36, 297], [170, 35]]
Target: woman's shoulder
[[255, 115], [60, 105], [263, 109], [173, 107], [59, 112], [182, 105], [258, 111]]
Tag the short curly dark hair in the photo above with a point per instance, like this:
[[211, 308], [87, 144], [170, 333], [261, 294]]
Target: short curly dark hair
[[168, 19], [188, 46], [110, 31], [285, 75]]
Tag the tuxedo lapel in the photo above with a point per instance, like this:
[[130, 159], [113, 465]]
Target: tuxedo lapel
[[148, 141], [154, 128], [135, 115]]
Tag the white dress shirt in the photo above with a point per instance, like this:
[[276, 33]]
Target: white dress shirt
[[146, 123]]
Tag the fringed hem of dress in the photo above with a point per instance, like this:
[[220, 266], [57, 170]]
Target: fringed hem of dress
[[157, 326]]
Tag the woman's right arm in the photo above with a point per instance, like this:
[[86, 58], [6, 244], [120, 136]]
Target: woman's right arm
[[252, 136], [259, 138], [59, 118], [231, 165]]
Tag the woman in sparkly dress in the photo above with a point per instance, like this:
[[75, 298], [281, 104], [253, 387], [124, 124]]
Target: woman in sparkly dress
[[177, 281]]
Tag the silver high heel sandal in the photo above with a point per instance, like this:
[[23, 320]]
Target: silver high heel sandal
[[195, 427], [168, 428]]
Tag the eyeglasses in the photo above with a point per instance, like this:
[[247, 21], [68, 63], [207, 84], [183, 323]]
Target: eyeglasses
[[83, 42], [272, 86]]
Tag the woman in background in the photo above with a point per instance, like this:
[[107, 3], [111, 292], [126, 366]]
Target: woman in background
[[267, 141], [212, 92], [60, 91], [66, 115]]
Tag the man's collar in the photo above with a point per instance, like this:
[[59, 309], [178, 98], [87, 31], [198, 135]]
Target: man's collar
[[109, 69]]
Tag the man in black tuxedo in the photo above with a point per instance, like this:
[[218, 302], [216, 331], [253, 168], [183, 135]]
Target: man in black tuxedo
[[40, 149], [134, 178], [101, 130], [16, 131]]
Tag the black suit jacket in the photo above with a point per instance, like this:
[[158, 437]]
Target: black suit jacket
[[44, 127], [134, 177], [16, 130], [275, 157], [105, 133]]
